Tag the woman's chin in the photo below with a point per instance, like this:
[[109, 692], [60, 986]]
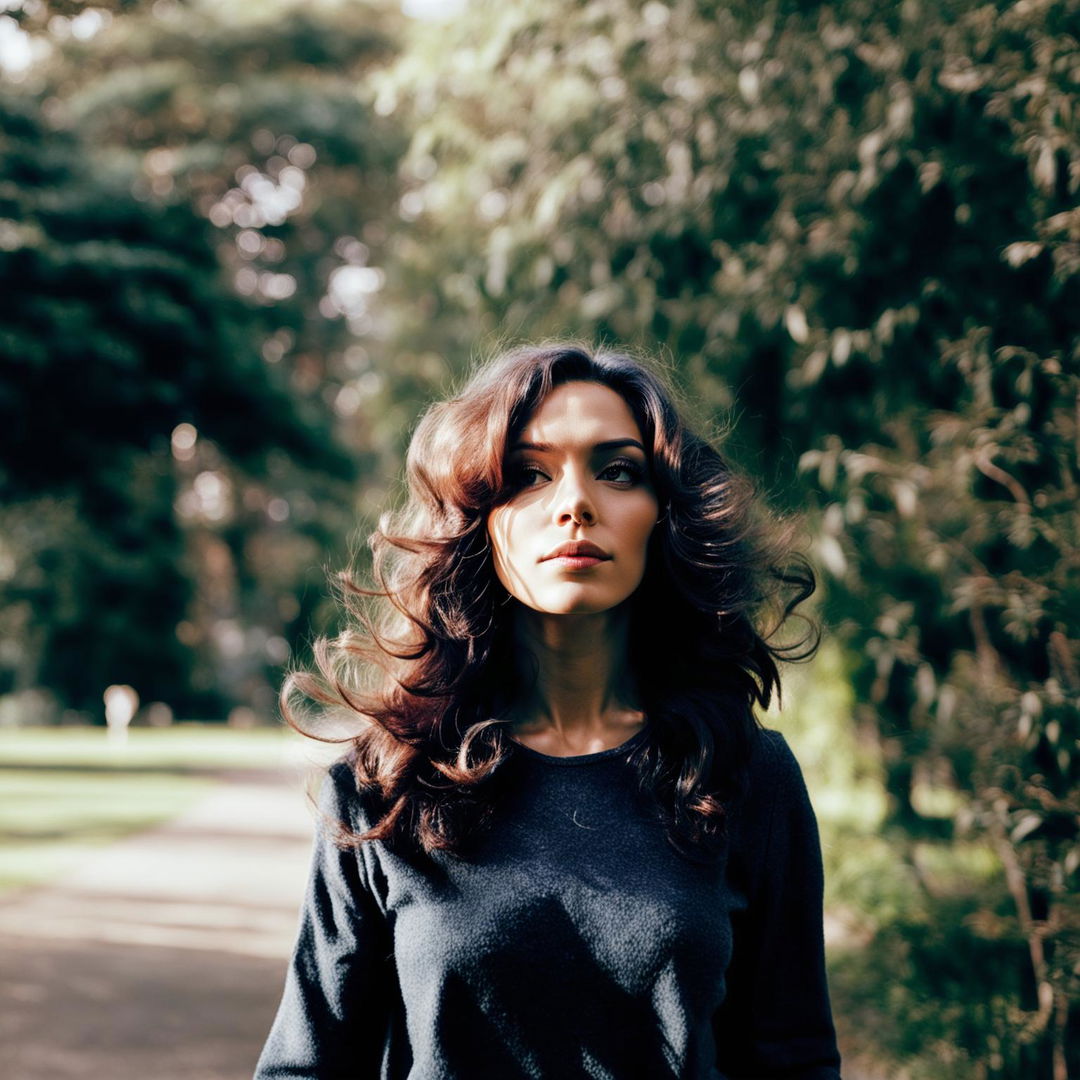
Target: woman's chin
[[575, 601]]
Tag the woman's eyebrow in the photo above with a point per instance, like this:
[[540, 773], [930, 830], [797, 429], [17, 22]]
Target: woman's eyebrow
[[607, 444]]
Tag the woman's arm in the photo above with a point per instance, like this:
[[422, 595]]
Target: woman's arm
[[334, 1012], [776, 1020]]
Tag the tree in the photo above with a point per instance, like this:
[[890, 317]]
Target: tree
[[857, 227], [248, 129], [116, 333]]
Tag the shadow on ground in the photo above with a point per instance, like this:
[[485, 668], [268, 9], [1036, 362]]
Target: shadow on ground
[[75, 1009], [161, 957]]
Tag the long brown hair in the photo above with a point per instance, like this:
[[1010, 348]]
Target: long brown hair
[[424, 673]]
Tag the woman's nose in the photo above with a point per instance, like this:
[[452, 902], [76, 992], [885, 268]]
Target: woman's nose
[[574, 504]]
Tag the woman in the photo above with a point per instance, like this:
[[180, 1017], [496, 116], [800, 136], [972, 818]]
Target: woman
[[561, 845]]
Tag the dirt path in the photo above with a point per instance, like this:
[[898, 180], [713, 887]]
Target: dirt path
[[161, 957]]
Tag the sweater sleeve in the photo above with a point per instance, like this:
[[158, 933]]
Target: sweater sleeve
[[775, 1020], [334, 1012]]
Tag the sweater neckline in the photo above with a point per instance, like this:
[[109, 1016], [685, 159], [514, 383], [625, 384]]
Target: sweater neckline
[[632, 743]]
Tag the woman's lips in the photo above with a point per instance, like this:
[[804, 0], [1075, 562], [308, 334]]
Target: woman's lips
[[578, 551], [577, 562]]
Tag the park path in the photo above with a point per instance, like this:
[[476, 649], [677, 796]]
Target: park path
[[162, 956]]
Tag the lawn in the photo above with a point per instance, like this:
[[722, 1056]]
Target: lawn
[[66, 791]]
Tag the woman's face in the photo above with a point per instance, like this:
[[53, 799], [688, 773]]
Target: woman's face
[[572, 538]]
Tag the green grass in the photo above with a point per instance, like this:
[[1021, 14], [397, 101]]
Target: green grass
[[50, 819], [180, 748], [66, 791]]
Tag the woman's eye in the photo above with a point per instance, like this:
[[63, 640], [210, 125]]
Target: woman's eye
[[528, 476], [622, 472]]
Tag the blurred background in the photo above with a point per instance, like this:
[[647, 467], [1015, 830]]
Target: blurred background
[[243, 244]]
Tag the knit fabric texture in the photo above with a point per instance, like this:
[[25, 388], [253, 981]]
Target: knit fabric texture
[[574, 941]]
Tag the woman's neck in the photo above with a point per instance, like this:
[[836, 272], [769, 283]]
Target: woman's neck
[[583, 698]]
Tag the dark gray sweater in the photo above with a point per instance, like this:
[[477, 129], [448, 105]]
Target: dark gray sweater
[[574, 943]]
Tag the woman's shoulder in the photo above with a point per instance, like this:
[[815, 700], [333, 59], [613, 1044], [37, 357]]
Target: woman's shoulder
[[774, 779], [342, 798], [771, 760]]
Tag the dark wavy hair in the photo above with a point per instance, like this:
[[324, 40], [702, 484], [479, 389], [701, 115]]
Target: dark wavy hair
[[424, 672]]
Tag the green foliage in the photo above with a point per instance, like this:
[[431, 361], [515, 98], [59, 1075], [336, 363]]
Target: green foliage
[[857, 227], [238, 166], [116, 331], [257, 119], [262, 124], [950, 1006]]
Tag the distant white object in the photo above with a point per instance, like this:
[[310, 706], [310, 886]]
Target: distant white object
[[121, 704], [432, 10]]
